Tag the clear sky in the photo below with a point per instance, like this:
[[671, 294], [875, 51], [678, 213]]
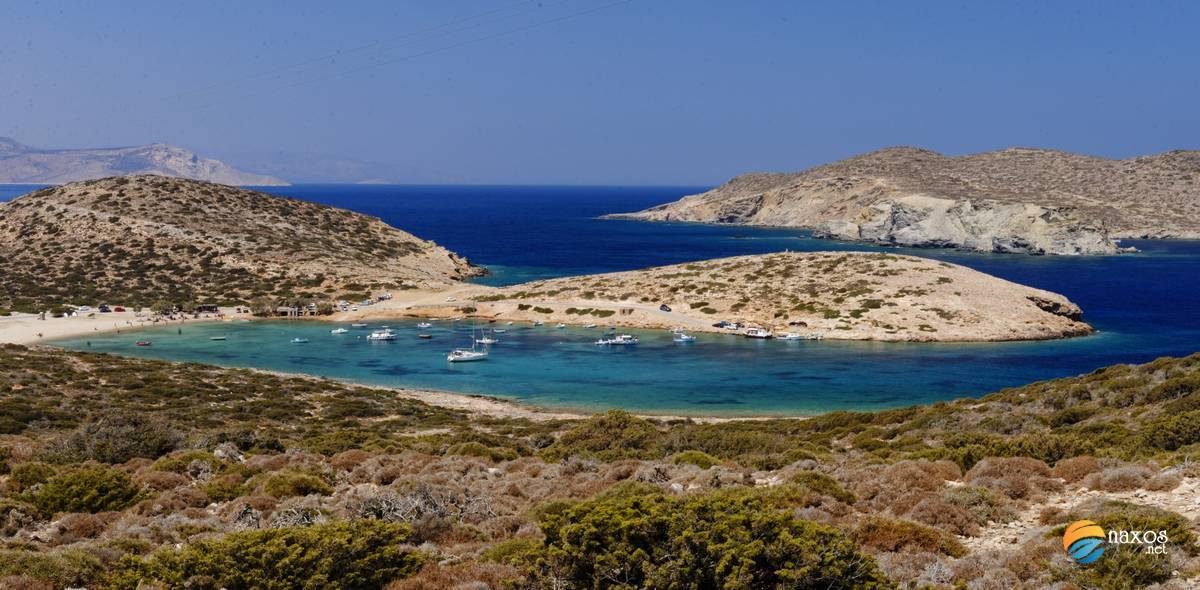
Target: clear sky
[[595, 91]]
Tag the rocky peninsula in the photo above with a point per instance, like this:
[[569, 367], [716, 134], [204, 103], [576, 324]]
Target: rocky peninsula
[[836, 295], [1021, 200]]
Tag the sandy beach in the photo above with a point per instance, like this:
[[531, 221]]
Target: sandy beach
[[24, 328]]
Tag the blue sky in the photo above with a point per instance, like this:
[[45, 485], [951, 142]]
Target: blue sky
[[592, 92]]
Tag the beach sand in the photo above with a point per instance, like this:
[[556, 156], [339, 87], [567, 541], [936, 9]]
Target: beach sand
[[24, 328]]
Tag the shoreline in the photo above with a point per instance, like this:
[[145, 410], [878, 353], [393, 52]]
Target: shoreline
[[27, 329]]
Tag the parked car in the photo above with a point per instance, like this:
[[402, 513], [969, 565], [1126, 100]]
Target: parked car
[[104, 309], [119, 309], [664, 307]]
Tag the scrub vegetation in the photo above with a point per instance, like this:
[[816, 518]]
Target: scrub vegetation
[[124, 473]]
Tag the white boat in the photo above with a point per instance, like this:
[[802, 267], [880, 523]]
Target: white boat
[[358, 325], [790, 336], [677, 330], [618, 340], [499, 331], [815, 336], [590, 326], [381, 335], [216, 337], [560, 325], [338, 331], [538, 322], [682, 337], [486, 339], [463, 355], [508, 323], [299, 340], [761, 333], [424, 325]]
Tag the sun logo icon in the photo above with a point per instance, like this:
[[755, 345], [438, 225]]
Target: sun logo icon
[[1084, 541]]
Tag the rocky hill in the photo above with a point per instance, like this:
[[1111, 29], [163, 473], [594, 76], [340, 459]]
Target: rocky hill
[[1014, 200], [22, 164], [143, 239], [839, 295]]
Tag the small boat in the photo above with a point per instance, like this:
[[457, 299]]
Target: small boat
[[424, 325], [590, 326], [486, 340], [499, 331], [760, 333], [424, 336], [299, 340], [677, 330], [217, 338], [358, 325], [816, 336], [338, 331], [142, 343], [790, 336], [618, 340], [681, 337], [463, 355], [381, 335], [560, 326], [538, 322], [508, 323]]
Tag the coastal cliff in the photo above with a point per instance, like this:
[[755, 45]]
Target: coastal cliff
[[836, 295], [1015, 200], [144, 239]]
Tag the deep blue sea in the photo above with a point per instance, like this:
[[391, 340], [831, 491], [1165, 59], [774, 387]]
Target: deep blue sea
[[1145, 305]]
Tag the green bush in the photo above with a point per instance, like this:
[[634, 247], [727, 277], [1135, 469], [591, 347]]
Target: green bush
[[889, 534], [26, 475], [476, 449], [117, 437], [820, 483], [719, 540], [286, 484], [91, 488], [343, 555], [63, 568], [608, 437], [698, 458]]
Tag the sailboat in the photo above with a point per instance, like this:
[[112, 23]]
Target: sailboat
[[463, 355], [486, 339], [424, 325]]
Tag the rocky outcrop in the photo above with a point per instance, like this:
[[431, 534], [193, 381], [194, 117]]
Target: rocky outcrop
[[1015, 200], [22, 164], [988, 226]]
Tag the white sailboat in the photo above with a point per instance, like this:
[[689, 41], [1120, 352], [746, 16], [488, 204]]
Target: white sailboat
[[463, 355], [618, 340]]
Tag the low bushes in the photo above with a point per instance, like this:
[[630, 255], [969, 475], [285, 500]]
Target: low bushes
[[343, 555], [726, 539], [888, 534], [91, 488], [286, 484], [608, 437]]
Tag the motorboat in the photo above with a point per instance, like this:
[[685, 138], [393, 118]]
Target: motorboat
[[217, 338], [618, 340], [538, 322], [424, 325], [338, 331], [463, 355], [682, 337], [761, 333], [142, 343], [424, 336], [790, 336], [560, 326], [499, 331], [381, 335], [299, 340], [358, 325]]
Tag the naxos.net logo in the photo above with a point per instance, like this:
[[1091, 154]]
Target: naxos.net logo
[[1084, 541]]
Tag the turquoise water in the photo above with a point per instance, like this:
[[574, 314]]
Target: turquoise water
[[1144, 305], [563, 369]]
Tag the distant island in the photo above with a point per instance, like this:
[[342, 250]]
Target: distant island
[[142, 239], [1019, 200], [21, 164]]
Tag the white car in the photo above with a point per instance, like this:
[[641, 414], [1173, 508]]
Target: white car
[[451, 300]]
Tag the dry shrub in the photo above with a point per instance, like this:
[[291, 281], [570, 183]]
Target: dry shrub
[[1124, 478], [984, 505], [1052, 515], [900, 486], [1164, 482], [465, 576], [996, 579], [894, 535], [1015, 477], [172, 501], [348, 460], [79, 526], [1074, 469], [937, 512], [622, 470], [160, 481], [906, 566], [24, 582]]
